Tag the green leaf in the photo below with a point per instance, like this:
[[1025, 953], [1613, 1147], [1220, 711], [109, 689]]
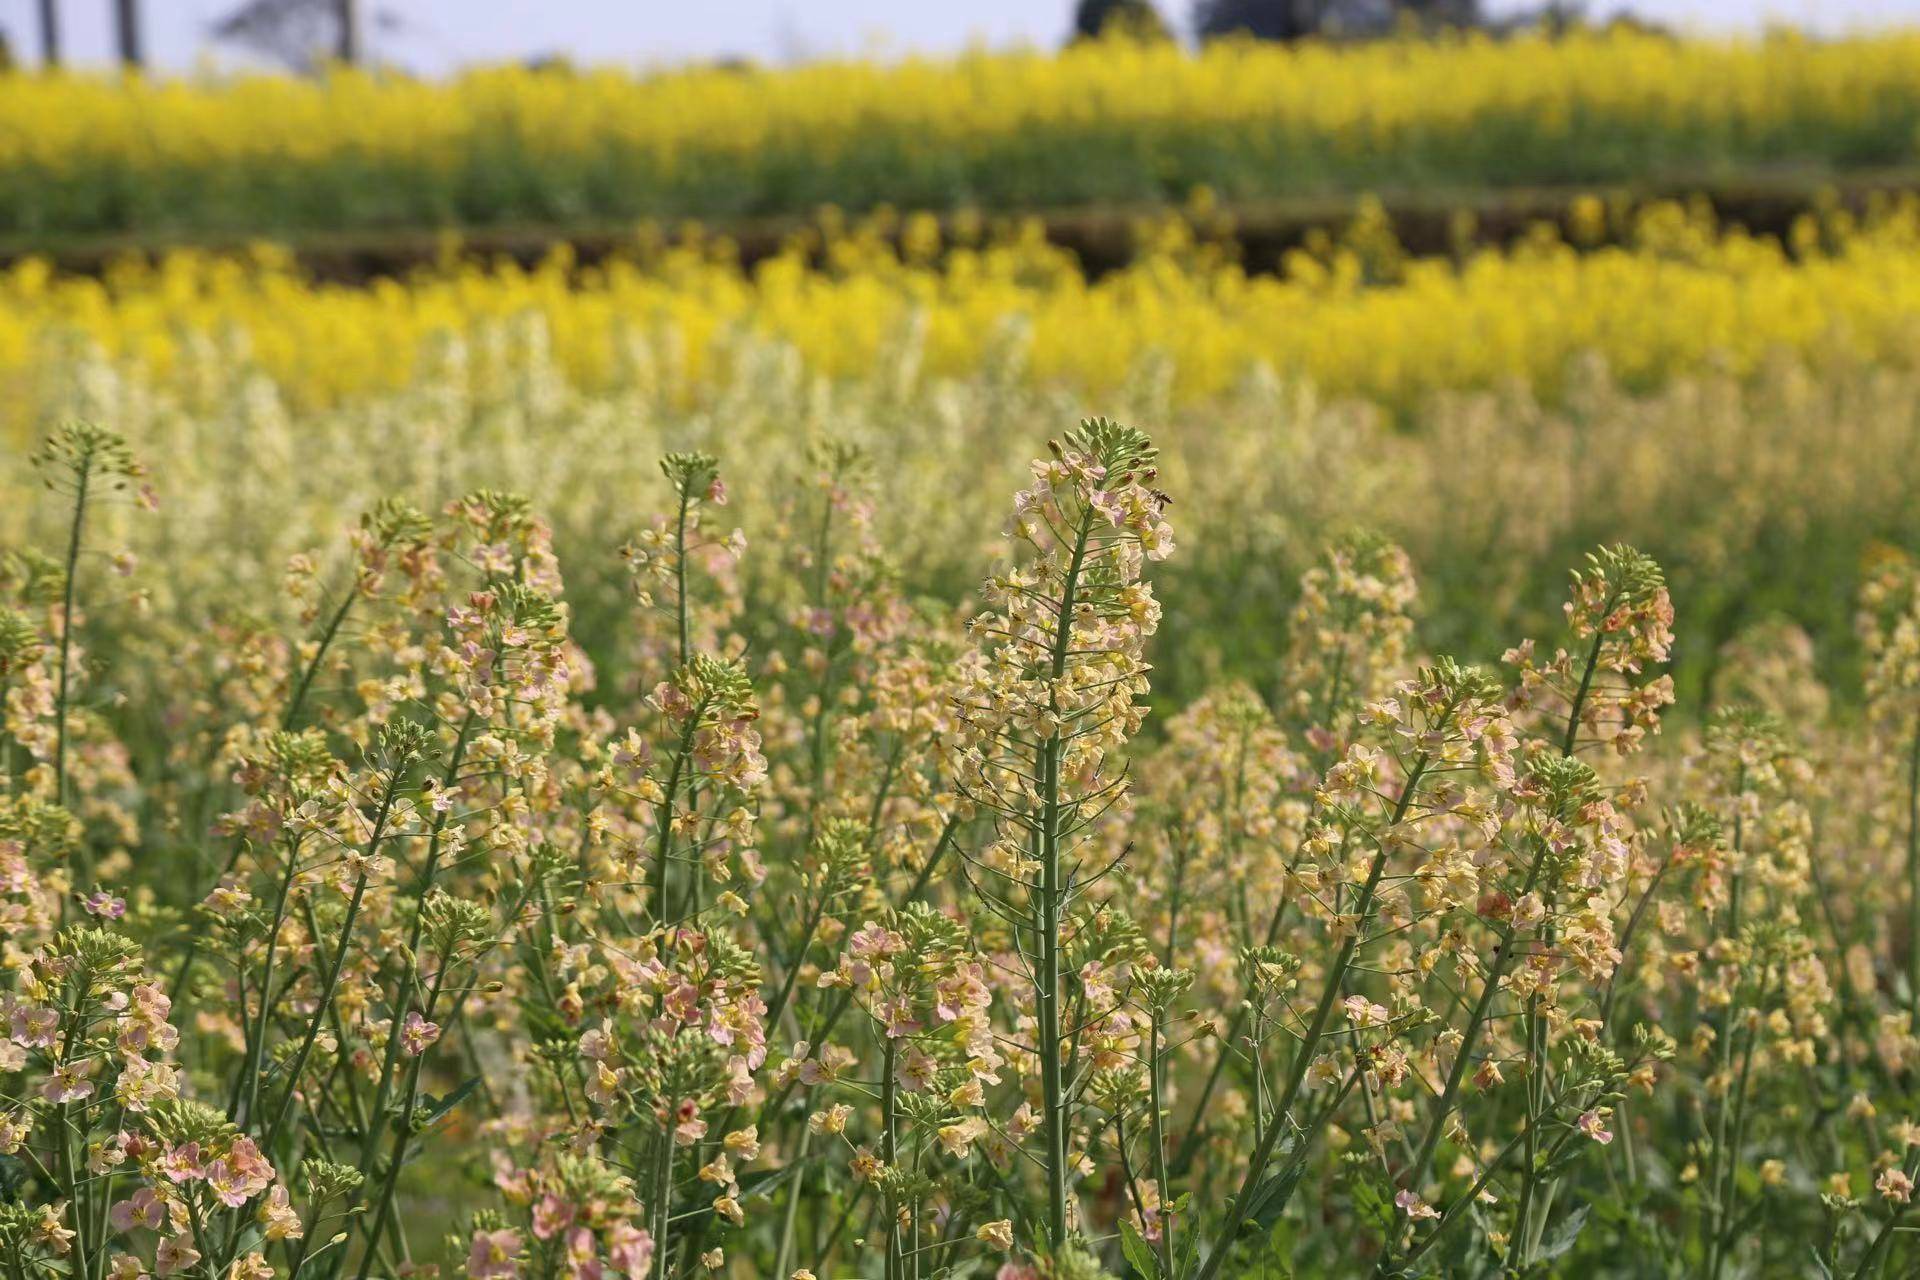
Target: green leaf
[[1562, 1237], [762, 1182], [437, 1108], [1139, 1256], [1266, 1202], [14, 1174], [757, 1185]]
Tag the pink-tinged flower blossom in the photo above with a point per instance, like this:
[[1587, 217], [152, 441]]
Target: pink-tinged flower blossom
[[603, 1084], [176, 1253], [739, 1081], [1414, 1207], [898, 1016], [51, 1231], [417, 1033], [683, 1002], [277, 1216], [240, 1175], [596, 1043], [142, 1083], [630, 1250], [183, 1164], [691, 1127], [1364, 1013], [1594, 1127], [917, 1070], [250, 1266], [495, 1254], [583, 1259], [142, 1209], [33, 1026], [227, 900], [14, 1128], [69, 1082], [958, 1139], [551, 1216]]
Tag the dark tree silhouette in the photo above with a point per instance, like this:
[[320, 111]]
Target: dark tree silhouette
[[1298, 19], [1137, 18], [50, 32], [302, 34], [126, 25]]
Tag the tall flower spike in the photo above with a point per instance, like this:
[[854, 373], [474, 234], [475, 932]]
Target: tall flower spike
[[1621, 620], [1052, 692], [1347, 637], [1889, 628], [85, 462], [662, 558]]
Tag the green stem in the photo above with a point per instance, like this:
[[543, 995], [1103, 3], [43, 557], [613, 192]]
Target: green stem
[[1052, 907], [663, 840], [403, 1127], [1875, 1258], [248, 1091], [403, 996], [334, 623], [663, 1191], [1726, 1194], [339, 962], [1527, 1229], [1156, 1135], [789, 1226], [1711, 1209], [1189, 1147], [70, 1168], [1417, 1172], [84, 474], [1571, 738], [680, 574], [1913, 878], [1322, 1014], [890, 1152]]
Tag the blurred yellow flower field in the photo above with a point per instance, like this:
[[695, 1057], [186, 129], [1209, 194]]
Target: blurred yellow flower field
[[1115, 120], [1355, 318]]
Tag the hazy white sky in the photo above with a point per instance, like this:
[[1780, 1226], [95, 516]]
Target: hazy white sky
[[434, 35]]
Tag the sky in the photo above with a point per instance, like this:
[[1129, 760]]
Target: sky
[[435, 36]]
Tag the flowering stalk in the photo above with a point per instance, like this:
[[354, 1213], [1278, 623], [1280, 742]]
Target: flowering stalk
[[80, 457], [1280, 1122], [1913, 875], [460, 933], [391, 525], [1051, 693], [1051, 905], [400, 747], [1234, 788], [1619, 605]]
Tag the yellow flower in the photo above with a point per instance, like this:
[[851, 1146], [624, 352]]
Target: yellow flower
[[998, 1234]]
